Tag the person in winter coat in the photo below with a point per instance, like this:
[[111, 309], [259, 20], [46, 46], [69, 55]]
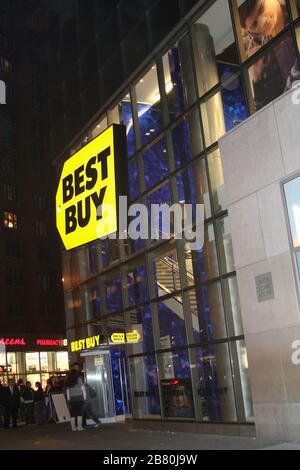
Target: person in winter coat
[[76, 396]]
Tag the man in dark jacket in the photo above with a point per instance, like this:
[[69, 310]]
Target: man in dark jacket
[[2, 409], [11, 403]]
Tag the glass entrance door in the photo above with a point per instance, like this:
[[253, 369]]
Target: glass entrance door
[[98, 376], [106, 372]]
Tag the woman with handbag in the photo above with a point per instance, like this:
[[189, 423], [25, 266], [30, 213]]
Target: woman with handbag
[[76, 396]]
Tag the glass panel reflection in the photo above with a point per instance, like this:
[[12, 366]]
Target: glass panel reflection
[[149, 106], [215, 386], [144, 386], [206, 309]]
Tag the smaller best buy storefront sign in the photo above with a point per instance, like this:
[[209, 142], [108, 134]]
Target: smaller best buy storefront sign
[[86, 198]]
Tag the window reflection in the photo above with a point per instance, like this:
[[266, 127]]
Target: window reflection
[[155, 164], [149, 106], [215, 387], [225, 245], [113, 294], [206, 309], [144, 386], [217, 181], [187, 138], [202, 265], [192, 187], [126, 118], [171, 323], [214, 46], [166, 272], [137, 284], [140, 320], [178, 75]]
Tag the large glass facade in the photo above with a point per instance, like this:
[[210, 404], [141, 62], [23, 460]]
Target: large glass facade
[[191, 361]]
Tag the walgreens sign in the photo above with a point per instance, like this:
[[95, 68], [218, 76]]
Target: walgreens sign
[[13, 342]]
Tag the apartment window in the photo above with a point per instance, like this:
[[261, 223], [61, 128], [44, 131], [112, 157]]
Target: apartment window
[[41, 201], [292, 195], [149, 105], [10, 220], [45, 282], [9, 167], [10, 192], [5, 65], [13, 248], [14, 277], [15, 304], [41, 229], [2, 92]]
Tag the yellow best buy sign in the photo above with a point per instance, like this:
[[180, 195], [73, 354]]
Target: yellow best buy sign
[[86, 198]]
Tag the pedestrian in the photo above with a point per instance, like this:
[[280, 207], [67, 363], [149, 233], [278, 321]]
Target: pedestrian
[[51, 415], [2, 408], [28, 396], [76, 396], [11, 403], [21, 388], [87, 407], [39, 399]]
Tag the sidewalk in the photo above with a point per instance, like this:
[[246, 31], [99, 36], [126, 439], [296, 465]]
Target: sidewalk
[[123, 437]]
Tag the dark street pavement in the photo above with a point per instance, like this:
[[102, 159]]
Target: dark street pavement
[[122, 437]]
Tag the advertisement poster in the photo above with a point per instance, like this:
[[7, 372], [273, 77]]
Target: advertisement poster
[[275, 71], [61, 408], [177, 398], [261, 21]]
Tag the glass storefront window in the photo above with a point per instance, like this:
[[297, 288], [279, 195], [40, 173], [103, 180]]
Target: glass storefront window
[[217, 181], [292, 195], [295, 7], [233, 307], [109, 251], [159, 196], [187, 138], [93, 251], [44, 361], [92, 306], [176, 385], [214, 46], [166, 273], [144, 388], [206, 309], [12, 363], [259, 22], [137, 283], [33, 378], [32, 362], [192, 186], [133, 180], [244, 380], [273, 73], [99, 128], [62, 361], [202, 265], [113, 294], [126, 118], [155, 164], [215, 386], [178, 75], [225, 245], [149, 106], [171, 323], [140, 321]]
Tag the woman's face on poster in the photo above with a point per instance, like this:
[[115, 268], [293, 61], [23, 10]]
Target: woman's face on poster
[[264, 17]]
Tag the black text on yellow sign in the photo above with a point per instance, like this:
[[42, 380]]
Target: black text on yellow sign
[[86, 199]]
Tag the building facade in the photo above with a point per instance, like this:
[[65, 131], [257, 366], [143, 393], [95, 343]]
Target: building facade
[[31, 292], [160, 328]]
